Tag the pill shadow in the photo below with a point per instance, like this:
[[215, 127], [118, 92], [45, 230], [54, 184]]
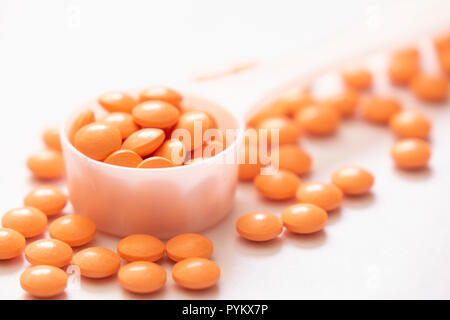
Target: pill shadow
[[97, 285], [158, 295], [261, 249], [11, 265], [359, 202], [418, 175], [306, 241], [207, 294], [62, 296], [334, 216]]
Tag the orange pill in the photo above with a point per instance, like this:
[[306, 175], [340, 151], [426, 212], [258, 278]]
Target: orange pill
[[144, 141], [142, 277], [344, 102], [442, 41], [379, 109], [288, 130], [173, 150], [189, 245], [124, 158], [304, 218], [28, 221], [156, 162], [155, 114], [196, 273], [46, 164], [259, 226], [358, 79], [318, 120], [50, 200], [404, 65], [163, 94], [250, 165], [293, 101], [353, 180], [73, 229], [84, 118], [292, 158], [411, 153], [141, 247], [122, 121], [280, 185], [11, 243], [191, 128], [51, 138], [49, 252], [431, 88], [117, 101], [96, 262], [324, 195], [410, 124], [44, 281]]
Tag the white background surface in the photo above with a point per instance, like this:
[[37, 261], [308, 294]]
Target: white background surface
[[391, 244]]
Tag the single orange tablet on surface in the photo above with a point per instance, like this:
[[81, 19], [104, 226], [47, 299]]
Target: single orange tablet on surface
[[12, 243], [196, 273], [156, 162], [410, 124], [50, 200], [44, 281], [304, 218], [163, 94], [324, 195], [292, 158], [28, 221], [259, 226], [353, 180], [122, 121], [288, 130], [189, 245], [404, 65], [358, 79], [379, 109], [344, 102], [292, 101], [124, 158], [73, 229], [46, 164], [280, 185], [80, 121], [173, 150], [142, 247], [51, 138], [117, 101], [49, 252], [191, 128], [318, 120], [411, 153], [155, 114], [142, 277], [431, 88], [250, 165], [97, 262], [144, 141]]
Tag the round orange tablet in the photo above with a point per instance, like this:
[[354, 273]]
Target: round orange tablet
[[51, 138], [324, 195], [359, 79], [141, 247], [142, 277], [73, 229], [410, 124], [259, 226], [28, 221], [288, 130], [404, 65], [96, 262], [46, 164], [116, 101], [144, 141], [344, 102], [188, 245], [192, 126], [122, 121], [163, 94], [11, 243], [124, 158], [318, 120], [411, 153], [304, 218], [291, 102], [292, 158], [44, 281], [155, 114], [49, 252], [280, 185], [379, 109], [156, 162], [432, 88], [250, 165], [353, 180], [196, 273], [50, 200], [98, 140], [84, 118], [173, 150]]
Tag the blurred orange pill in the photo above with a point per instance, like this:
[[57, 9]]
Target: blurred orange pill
[[431, 88], [411, 153], [44, 281], [292, 158], [410, 124], [259, 226], [288, 130], [196, 273], [353, 180], [144, 141], [189, 245], [84, 118], [122, 121], [50, 200], [96, 262], [379, 109], [46, 164], [142, 247], [318, 120], [442, 41], [124, 158], [404, 65], [358, 79], [28, 221], [156, 162], [324, 195], [48, 252], [292, 101], [155, 114], [250, 165], [279, 185], [51, 138], [163, 94], [12, 243], [444, 60], [193, 125], [304, 218], [344, 102], [173, 150], [73, 229], [142, 277], [98, 140], [117, 101]]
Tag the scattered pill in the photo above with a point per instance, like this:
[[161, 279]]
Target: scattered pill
[[379, 109], [194, 125], [96, 262], [50, 200], [156, 162], [51, 138], [144, 141], [155, 114], [46, 164], [98, 140], [44, 281], [173, 150], [28, 221], [116, 101], [73, 229], [290, 102], [411, 153], [404, 65], [359, 79], [189, 245], [431, 88], [163, 94], [12, 243], [48, 252], [280, 185], [304, 218], [196, 273], [142, 277], [84, 118], [259, 226], [410, 124], [292, 158], [324, 195], [288, 131], [353, 180], [122, 121], [124, 158], [344, 102], [142, 247]]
